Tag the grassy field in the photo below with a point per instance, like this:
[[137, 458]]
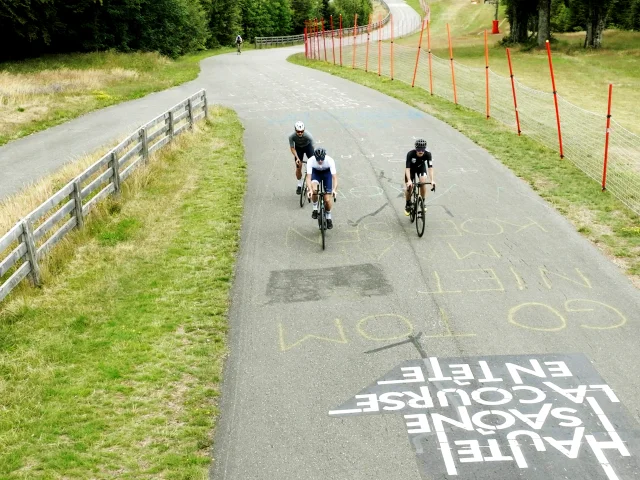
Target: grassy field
[[582, 76], [39, 93], [112, 369], [599, 216]]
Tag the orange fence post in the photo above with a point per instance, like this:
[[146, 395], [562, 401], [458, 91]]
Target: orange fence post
[[555, 99], [324, 39], [317, 39], [379, 45], [340, 34], [606, 141], [306, 49], [513, 89], [391, 20], [415, 70], [486, 61], [355, 32], [366, 62], [333, 45], [453, 73], [430, 59]]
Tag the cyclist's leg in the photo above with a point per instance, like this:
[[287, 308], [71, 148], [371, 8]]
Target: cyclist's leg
[[300, 153], [407, 193], [315, 183], [328, 197], [422, 177], [328, 188]]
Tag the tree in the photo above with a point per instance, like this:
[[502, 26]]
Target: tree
[[281, 17], [519, 14], [304, 10], [597, 15], [349, 8], [223, 21], [544, 22]]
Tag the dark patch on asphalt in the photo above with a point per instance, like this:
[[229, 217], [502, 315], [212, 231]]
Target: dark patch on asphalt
[[415, 339], [373, 214], [304, 285]]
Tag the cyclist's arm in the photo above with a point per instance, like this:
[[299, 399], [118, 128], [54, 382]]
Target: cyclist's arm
[[407, 174], [334, 175], [308, 180], [433, 179], [292, 147]]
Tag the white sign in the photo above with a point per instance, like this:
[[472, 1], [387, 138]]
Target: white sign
[[506, 417]]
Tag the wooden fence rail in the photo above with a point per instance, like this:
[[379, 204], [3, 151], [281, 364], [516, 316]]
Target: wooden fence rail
[[24, 246]]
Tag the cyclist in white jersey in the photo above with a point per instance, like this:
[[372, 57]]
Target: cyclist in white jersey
[[321, 167]]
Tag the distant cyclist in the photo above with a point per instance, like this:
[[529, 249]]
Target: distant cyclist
[[301, 144], [417, 164], [239, 43], [321, 167]]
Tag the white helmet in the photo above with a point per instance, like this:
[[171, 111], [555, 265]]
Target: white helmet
[[299, 126]]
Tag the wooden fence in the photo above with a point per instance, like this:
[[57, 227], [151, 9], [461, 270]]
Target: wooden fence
[[31, 238]]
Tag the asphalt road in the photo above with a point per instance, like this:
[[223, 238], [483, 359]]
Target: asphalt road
[[498, 272], [500, 345]]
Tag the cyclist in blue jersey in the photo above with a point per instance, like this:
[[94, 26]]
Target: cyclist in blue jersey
[[321, 167]]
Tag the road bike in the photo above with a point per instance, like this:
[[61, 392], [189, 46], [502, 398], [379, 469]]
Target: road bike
[[417, 210], [303, 189], [322, 212], [239, 45]]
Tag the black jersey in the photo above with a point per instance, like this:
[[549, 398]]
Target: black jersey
[[414, 162]]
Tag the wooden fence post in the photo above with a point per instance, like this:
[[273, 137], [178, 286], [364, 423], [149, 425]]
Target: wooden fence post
[[77, 198], [32, 253], [115, 166], [171, 131], [206, 106], [190, 109], [145, 144]]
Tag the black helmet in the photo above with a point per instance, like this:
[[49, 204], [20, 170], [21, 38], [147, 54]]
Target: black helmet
[[320, 153], [421, 144]]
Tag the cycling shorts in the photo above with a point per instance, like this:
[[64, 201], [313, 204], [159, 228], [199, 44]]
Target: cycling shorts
[[323, 176], [301, 151]]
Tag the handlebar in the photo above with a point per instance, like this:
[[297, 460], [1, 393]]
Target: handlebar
[[433, 189]]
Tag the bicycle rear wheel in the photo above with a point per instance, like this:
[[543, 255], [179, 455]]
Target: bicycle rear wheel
[[420, 220]]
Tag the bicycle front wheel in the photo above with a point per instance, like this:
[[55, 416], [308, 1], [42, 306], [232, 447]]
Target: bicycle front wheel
[[420, 217], [303, 194], [412, 210]]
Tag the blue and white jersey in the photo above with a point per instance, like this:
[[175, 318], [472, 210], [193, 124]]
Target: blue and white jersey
[[328, 164]]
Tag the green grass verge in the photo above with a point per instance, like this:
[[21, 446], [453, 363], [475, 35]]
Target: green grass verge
[[597, 215], [155, 73], [112, 370]]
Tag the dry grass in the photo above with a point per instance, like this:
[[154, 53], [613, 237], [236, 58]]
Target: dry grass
[[17, 206], [28, 98], [20, 87]]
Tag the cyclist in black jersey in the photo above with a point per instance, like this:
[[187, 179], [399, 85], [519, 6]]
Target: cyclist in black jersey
[[418, 163]]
